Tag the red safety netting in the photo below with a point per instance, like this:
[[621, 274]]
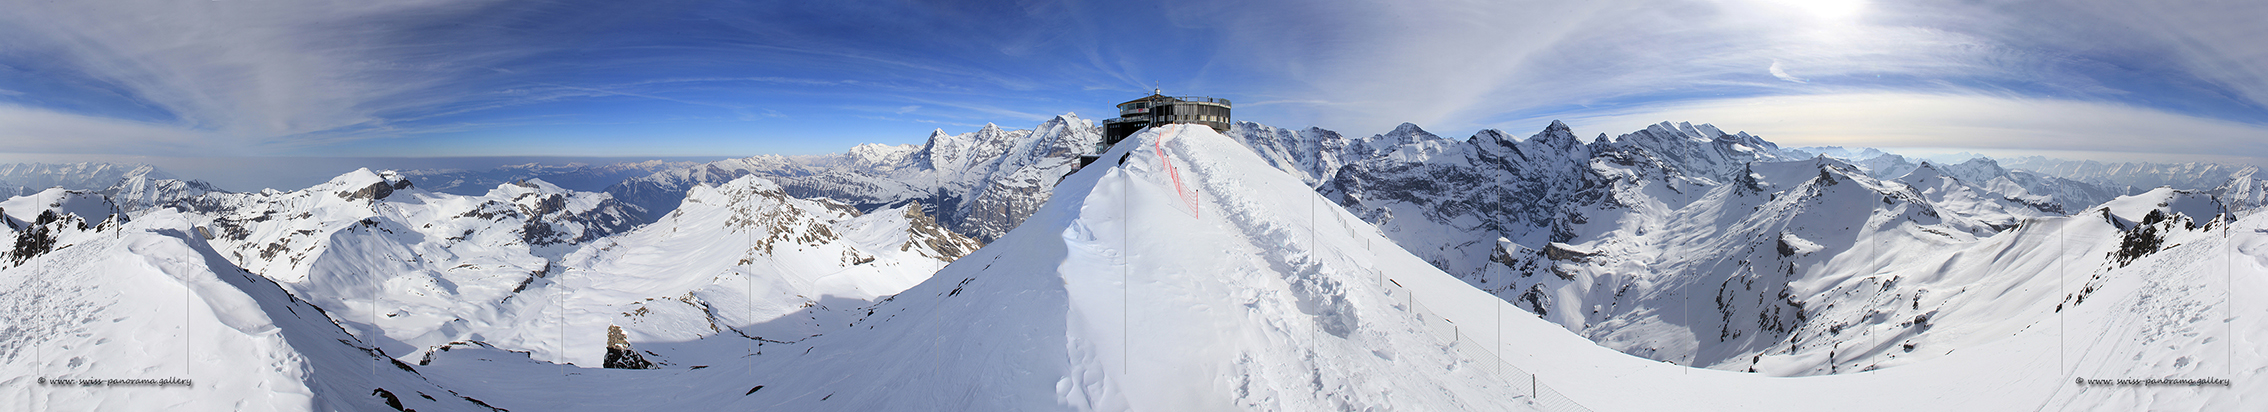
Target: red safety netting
[[1188, 195]]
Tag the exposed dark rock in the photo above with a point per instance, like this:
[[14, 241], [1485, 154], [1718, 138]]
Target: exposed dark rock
[[618, 352], [375, 191], [37, 240], [391, 401]]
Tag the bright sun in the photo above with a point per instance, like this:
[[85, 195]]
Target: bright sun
[[1823, 9]]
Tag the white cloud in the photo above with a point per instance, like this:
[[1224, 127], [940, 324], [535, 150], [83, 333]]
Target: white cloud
[[31, 130], [1451, 63], [1782, 73], [253, 69]]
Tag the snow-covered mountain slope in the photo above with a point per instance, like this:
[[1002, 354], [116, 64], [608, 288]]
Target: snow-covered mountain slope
[[131, 187], [18, 179], [1678, 243], [1205, 285], [2049, 193], [736, 263], [402, 267], [2244, 194], [978, 184], [153, 305], [36, 222], [573, 176], [2176, 313], [1851, 154], [1450, 201], [2126, 178], [135, 193], [1961, 198], [1209, 284], [1720, 280]]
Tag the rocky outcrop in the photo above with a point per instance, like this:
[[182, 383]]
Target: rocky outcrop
[[619, 355]]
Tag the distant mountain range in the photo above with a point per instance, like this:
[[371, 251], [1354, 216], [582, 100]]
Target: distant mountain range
[[1264, 268]]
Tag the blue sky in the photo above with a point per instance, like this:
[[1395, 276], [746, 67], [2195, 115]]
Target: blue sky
[[207, 79]]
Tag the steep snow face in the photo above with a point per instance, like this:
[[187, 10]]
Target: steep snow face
[[2244, 194], [150, 300], [1702, 152], [1313, 154], [979, 184], [138, 192], [1715, 282], [1449, 202], [737, 265], [1195, 280]]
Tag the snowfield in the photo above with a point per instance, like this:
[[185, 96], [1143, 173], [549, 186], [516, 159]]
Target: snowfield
[[1676, 268]]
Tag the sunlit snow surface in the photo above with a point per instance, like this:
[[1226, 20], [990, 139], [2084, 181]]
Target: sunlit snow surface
[[1115, 295]]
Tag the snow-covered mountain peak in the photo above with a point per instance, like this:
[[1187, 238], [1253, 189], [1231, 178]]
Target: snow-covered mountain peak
[[89, 206], [1928, 169], [526, 186], [1687, 150], [2201, 206], [879, 156], [1773, 176], [362, 184], [1402, 135], [1977, 170], [35, 224]]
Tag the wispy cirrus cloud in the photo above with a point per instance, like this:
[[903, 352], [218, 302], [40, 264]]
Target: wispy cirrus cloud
[[441, 77]]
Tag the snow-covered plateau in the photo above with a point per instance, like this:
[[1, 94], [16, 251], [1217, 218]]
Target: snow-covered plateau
[[1678, 267]]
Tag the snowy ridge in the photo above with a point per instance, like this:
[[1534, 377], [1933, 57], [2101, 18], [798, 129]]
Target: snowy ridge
[[37, 223], [2053, 194], [1633, 241], [1040, 319], [405, 268], [979, 184], [238, 341], [18, 179], [575, 176], [1186, 270], [740, 264], [2127, 178]]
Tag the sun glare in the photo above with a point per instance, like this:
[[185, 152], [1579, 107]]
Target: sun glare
[[1823, 9]]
